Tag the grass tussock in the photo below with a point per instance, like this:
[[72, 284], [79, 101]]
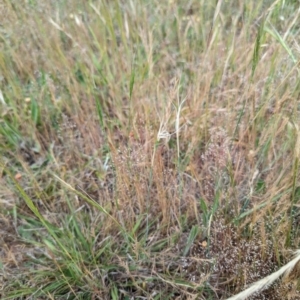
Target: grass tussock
[[149, 150]]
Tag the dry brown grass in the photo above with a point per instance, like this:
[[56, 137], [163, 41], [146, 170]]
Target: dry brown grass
[[148, 149]]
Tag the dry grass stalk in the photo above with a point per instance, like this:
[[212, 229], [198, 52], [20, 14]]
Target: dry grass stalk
[[267, 281]]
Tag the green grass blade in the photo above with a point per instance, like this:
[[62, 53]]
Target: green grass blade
[[193, 234], [131, 84], [35, 112], [100, 112], [275, 34]]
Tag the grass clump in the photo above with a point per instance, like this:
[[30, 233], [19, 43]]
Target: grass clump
[[149, 150]]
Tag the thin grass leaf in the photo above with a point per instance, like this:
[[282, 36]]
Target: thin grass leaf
[[114, 293], [35, 112], [100, 112], [131, 83], [213, 28], [103, 249], [205, 212], [12, 135], [275, 34], [294, 183], [160, 245], [193, 234], [261, 205], [137, 224], [78, 234]]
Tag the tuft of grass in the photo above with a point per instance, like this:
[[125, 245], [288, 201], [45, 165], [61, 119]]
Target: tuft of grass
[[149, 149]]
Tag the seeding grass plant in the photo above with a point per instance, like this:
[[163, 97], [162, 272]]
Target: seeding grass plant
[[149, 149]]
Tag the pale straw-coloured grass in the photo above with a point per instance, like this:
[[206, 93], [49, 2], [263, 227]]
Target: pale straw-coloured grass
[[267, 281]]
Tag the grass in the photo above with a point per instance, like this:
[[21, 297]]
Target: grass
[[149, 149]]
